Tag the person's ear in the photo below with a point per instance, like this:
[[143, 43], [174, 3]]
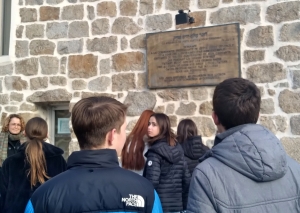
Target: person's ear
[[215, 118], [111, 137]]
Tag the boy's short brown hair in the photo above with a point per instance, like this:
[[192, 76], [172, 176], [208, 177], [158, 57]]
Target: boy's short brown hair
[[236, 101], [94, 117]]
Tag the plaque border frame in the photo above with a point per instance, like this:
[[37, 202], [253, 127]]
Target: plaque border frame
[[196, 85]]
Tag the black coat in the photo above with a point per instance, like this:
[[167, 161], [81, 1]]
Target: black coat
[[2, 190], [193, 150], [17, 189], [13, 147], [166, 168]]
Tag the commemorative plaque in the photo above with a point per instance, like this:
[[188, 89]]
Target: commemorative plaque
[[193, 57]]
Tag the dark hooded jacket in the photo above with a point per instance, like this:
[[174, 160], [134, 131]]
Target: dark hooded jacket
[[17, 189], [166, 168], [246, 171], [193, 149]]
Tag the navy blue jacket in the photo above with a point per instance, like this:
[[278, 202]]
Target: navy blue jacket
[[95, 183]]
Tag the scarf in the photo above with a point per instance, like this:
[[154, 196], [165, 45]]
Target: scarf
[[4, 143]]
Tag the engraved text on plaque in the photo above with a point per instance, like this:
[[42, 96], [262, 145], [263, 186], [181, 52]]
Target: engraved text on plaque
[[193, 57]]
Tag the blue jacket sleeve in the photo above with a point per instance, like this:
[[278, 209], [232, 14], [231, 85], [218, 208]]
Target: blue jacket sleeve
[[29, 207], [157, 208]]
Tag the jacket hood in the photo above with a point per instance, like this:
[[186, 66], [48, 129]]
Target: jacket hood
[[49, 149], [251, 150], [194, 148], [172, 154]]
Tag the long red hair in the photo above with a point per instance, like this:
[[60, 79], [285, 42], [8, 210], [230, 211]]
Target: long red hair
[[132, 153]]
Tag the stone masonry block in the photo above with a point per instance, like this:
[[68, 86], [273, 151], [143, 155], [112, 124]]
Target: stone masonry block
[[82, 66], [27, 67], [243, 14], [35, 31], [56, 30], [49, 13]]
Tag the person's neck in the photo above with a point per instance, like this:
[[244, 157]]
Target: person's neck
[[96, 148], [99, 148], [220, 128]]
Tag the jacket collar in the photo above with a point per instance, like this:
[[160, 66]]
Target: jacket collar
[[220, 137], [49, 149], [193, 147], [170, 153], [13, 143], [102, 158]]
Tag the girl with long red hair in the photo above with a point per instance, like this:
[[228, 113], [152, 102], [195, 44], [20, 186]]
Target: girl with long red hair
[[132, 157]]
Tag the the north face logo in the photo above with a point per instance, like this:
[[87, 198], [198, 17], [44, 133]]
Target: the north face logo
[[134, 200]]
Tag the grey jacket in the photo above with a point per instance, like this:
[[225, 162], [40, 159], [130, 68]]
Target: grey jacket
[[247, 171]]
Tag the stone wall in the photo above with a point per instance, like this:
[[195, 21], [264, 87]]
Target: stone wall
[[65, 50]]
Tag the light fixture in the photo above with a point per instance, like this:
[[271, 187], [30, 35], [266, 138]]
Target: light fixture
[[183, 18]]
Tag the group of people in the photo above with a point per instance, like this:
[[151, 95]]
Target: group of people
[[154, 151], [152, 169]]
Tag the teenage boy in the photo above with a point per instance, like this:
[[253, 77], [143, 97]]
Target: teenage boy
[[247, 170], [94, 182]]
